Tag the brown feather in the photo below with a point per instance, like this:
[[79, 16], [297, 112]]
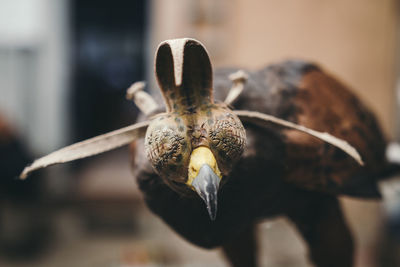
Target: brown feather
[[324, 104]]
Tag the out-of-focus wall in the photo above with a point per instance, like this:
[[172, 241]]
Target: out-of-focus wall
[[34, 70], [354, 40]]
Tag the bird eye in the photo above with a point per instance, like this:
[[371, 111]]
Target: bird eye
[[227, 140], [165, 148]]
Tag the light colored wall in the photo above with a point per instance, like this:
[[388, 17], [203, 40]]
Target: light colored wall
[[354, 40], [34, 70]]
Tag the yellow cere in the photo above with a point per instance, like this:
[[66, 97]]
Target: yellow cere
[[200, 156]]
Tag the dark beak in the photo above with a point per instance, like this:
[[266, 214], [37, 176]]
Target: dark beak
[[206, 184]]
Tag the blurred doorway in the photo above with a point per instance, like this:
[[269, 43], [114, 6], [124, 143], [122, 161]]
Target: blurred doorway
[[108, 55]]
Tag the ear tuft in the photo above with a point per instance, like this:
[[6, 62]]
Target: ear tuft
[[184, 73]]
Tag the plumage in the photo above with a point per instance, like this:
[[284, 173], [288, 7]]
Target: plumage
[[302, 93], [281, 171], [285, 142]]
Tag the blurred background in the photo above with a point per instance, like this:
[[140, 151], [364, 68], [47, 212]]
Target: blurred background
[[64, 69]]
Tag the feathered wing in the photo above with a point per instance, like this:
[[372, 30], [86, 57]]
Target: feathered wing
[[262, 119], [90, 147]]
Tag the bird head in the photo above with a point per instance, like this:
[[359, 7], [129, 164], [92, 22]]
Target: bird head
[[194, 145]]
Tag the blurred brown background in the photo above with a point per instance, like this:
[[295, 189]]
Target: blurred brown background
[[64, 69]]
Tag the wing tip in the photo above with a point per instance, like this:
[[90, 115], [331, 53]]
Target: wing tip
[[360, 161], [24, 174]]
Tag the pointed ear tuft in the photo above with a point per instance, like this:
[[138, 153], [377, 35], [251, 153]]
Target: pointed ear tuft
[[164, 67], [197, 69], [184, 73]]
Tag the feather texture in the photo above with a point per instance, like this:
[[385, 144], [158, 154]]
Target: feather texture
[[89, 147]]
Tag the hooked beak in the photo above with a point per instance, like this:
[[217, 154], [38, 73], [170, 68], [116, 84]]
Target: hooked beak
[[206, 185], [204, 177]]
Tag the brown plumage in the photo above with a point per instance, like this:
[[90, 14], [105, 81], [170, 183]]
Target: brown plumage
[[301, 92], [263, 158], [282, 171]]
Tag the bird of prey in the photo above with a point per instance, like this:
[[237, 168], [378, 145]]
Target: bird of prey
[[286, 140]]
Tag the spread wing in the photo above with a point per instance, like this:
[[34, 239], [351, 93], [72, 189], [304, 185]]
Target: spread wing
[[305, 95], [262, 119], [90, 147]]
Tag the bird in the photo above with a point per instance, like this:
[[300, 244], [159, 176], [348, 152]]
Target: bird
[[233, 147]]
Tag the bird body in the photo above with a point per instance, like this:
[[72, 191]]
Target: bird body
[[302, 93], [281, 171], [287, 145]]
